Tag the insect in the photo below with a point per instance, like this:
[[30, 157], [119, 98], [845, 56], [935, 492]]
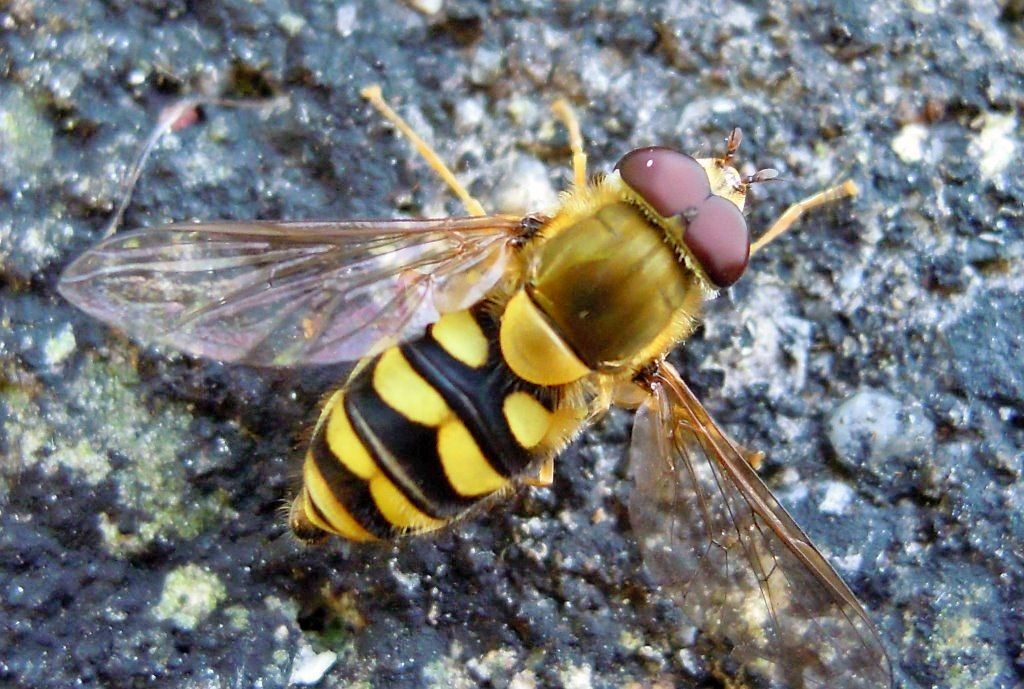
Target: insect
[[485, 344]]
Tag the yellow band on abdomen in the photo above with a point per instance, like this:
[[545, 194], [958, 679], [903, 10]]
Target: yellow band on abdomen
[[343, 442], [532, 349], [338, 519], [462, 337], [397, 509], [527, 418], [406, 391], [469, 472]]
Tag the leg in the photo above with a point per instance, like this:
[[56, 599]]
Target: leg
[[793, 213], [174, 117], [564, 112], [545, 475], [755, 458], [373, 94]]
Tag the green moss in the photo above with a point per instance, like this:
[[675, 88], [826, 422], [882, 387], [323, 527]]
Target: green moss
[[959, 651], [82, 457], [447, 673], [154, 482], [238, 617], [336, 635], [23, 430], [629, 640], [286, 606], [32, 439], [190, 594], [576, 676], [99, 414], [26, 142]]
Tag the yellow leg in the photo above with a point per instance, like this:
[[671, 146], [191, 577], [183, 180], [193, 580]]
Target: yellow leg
[[793, 213], [545, 475], [373, 94], [564, 112], [755, 458]]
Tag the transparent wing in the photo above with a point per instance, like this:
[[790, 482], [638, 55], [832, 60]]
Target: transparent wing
[[289, 293], [723, 547]]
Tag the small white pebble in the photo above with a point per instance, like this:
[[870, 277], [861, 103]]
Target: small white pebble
[[291, 23], [837, 498], [345, 19], [848, 563], [310, 667], [996, 144], [426, 6], [469, 114], [909, 143], [689, 660], [524, 679], [877, 423], [525, 187], [523, 111], [485, 67], [58, 348]]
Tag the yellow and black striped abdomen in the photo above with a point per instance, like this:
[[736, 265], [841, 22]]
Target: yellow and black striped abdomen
[[421, 433]]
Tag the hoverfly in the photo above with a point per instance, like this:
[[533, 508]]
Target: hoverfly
[[486, 344]]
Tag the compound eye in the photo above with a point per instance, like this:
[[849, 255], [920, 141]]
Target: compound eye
[[670, 181], [718, 238]]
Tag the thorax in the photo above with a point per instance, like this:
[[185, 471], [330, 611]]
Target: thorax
[[605, 283]]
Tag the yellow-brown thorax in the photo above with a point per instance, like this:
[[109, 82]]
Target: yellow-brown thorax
[[604, 291]]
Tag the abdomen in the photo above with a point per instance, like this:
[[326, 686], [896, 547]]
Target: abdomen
[[423, 432]]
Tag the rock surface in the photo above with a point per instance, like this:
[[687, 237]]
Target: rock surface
[[141, 541]]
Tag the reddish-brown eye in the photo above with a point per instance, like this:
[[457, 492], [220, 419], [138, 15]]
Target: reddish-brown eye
[[718, 238], [670, 181]]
